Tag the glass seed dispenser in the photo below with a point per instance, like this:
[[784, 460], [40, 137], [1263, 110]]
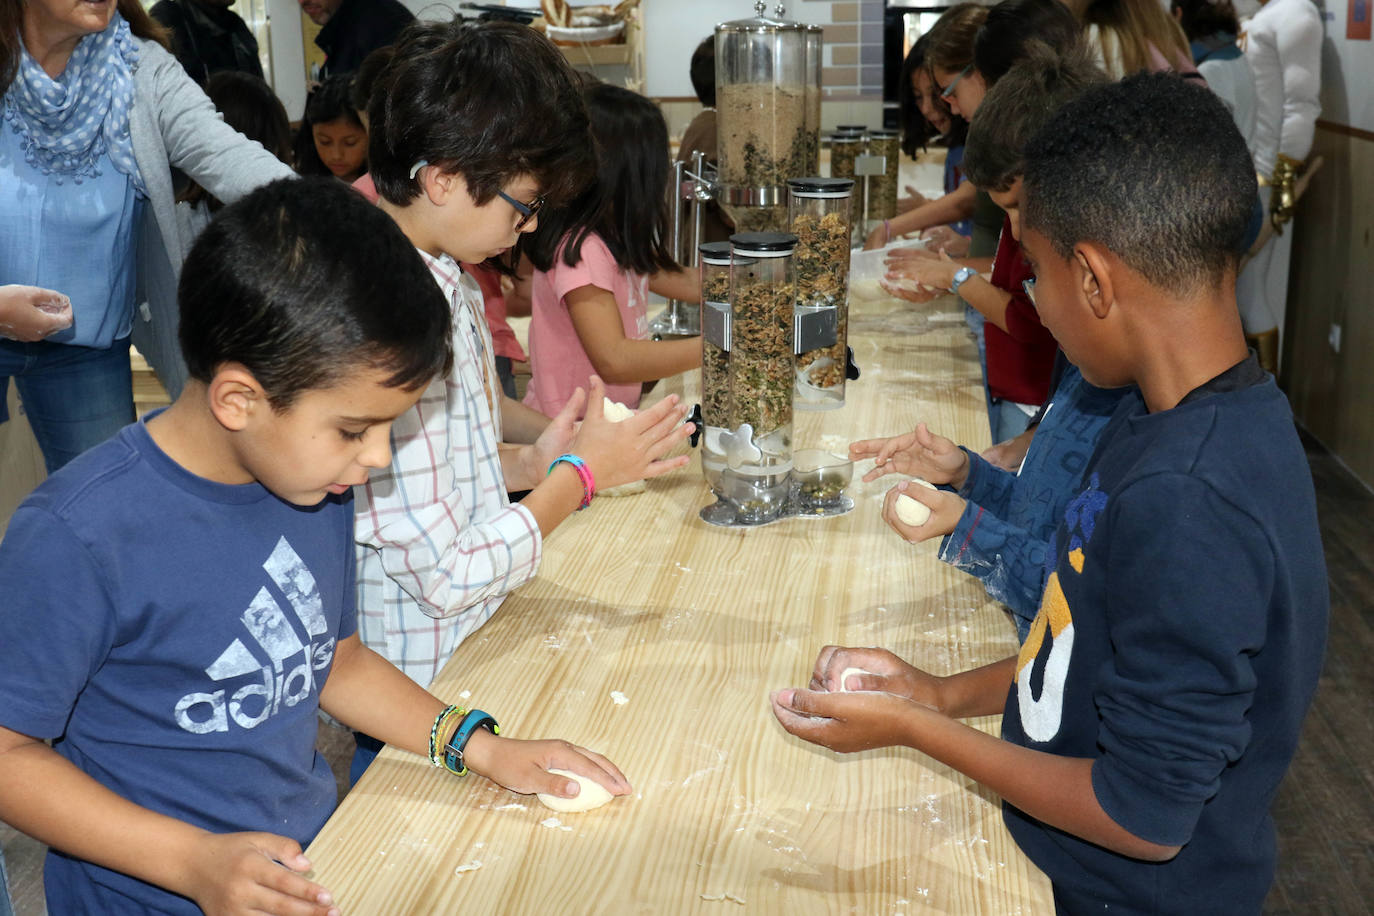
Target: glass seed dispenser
[[767, 85], [818, 214], [756, 446], [715, 357]]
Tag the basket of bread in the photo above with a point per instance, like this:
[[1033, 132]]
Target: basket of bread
[[586, 25]]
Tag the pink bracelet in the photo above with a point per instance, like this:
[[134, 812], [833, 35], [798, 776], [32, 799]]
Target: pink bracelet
[[584, 474]]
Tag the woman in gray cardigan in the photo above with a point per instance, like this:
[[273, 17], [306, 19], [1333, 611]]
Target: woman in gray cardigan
[[95, 114]]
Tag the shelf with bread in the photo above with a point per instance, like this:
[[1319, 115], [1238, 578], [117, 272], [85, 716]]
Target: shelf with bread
[[597, 36]]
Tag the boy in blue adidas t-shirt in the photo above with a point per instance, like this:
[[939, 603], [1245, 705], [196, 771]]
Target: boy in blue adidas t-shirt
[[179, 601], [1153, 710]]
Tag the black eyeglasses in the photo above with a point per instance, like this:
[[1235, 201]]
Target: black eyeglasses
[[527, 211]]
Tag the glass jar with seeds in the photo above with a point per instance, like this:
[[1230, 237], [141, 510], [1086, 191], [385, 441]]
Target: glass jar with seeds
[[845, 145], [882, 191], [758, 445], [715, 356], [762, 78], [815, 61], [818, 211]]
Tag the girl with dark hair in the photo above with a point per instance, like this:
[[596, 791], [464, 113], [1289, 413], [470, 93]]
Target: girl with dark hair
[[596, 259], [332, 139], [925, 116], [249, 106]]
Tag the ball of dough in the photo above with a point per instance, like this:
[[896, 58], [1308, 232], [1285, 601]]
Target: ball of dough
[[844, 677], [615, 411], [592, 795], [913, 512]]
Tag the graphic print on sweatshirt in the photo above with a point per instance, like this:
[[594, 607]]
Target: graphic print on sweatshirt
[[1042, 667], [274, 663]]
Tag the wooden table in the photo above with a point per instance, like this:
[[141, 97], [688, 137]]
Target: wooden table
[[656, 639]]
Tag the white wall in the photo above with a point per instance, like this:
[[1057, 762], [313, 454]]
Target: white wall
[[288, 56], [1347, 71]]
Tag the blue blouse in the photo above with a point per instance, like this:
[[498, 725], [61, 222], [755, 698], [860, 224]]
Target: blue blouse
[[78, 239]]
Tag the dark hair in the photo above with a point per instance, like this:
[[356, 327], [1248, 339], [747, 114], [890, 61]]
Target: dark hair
[[917, 132], [249, 106], [703, 71], [304, 282], [369, 71], [1205, 18], [487, 100], [1152, 168], [1012, 24], [627, 204], [330, 101], [141, 25], [1019, 105], [953, 35]]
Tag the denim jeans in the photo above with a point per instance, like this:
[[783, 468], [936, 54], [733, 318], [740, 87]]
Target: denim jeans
[[6, 907], [975, 321], [1007, 420], [74, 397]]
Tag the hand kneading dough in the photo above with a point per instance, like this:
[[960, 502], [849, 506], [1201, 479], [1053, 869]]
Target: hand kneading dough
[[615, 412], [910, 511], [844, 677], [593, 795]]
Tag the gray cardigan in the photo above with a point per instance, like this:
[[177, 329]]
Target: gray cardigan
[[172, 123]]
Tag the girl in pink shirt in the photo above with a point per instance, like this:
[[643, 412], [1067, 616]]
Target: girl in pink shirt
[[596, 260]]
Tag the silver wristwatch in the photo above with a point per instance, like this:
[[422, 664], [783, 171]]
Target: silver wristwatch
[[961, 275]]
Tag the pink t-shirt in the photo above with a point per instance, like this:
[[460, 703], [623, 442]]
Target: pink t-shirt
[[557, 361]]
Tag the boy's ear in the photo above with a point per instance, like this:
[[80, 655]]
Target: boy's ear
[[234, 396], [439, 185], [1095, 277]]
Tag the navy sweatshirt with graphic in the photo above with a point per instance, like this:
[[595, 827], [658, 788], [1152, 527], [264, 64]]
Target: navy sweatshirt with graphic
[[1178, 645]]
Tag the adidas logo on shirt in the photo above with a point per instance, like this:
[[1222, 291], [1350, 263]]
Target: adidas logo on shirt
[[271, 630]]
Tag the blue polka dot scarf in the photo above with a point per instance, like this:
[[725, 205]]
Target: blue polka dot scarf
[[67, 123]]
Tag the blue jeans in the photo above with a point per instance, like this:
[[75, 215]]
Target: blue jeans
[[1007, 420], [6, 906], [975, 321], [366, 752], [74, 397]]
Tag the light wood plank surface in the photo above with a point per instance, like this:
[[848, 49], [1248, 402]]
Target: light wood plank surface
[[656, 639]]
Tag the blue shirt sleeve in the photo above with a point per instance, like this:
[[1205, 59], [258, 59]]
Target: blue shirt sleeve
[[56, 627]]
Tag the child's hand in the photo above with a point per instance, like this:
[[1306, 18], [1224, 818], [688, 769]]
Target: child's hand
[[919, 453], [945, 510], [29, 313], [886, 674], [900, 257], [254, 873], [522, 766], [936, 273], [557, 437], [632, 449], [845, 722]]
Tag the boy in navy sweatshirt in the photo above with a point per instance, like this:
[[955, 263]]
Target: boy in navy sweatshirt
[[1153, 710]]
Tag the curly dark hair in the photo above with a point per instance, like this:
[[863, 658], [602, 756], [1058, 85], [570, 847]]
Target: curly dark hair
[[1151, 167]]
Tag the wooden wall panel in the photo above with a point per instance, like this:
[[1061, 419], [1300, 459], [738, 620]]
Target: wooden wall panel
[[1332, 282]]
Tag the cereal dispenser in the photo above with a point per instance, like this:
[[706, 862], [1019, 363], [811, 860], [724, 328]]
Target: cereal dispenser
[[818, 214], [756, 447], [767, 85], [715, 357]]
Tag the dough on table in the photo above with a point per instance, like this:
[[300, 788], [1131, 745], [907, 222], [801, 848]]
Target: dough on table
[[913, 512], [615, 412], [592, 795], [844, 677]]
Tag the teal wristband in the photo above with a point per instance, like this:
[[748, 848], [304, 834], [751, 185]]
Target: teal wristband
[[453, 748], [584, 474]]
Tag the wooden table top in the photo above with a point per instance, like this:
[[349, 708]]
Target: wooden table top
[[655, 639]]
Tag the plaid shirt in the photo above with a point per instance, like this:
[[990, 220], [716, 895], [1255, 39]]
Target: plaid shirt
[[439, 545]]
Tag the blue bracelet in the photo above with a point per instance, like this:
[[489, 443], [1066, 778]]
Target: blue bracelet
[[584, 474], [453, 749]]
